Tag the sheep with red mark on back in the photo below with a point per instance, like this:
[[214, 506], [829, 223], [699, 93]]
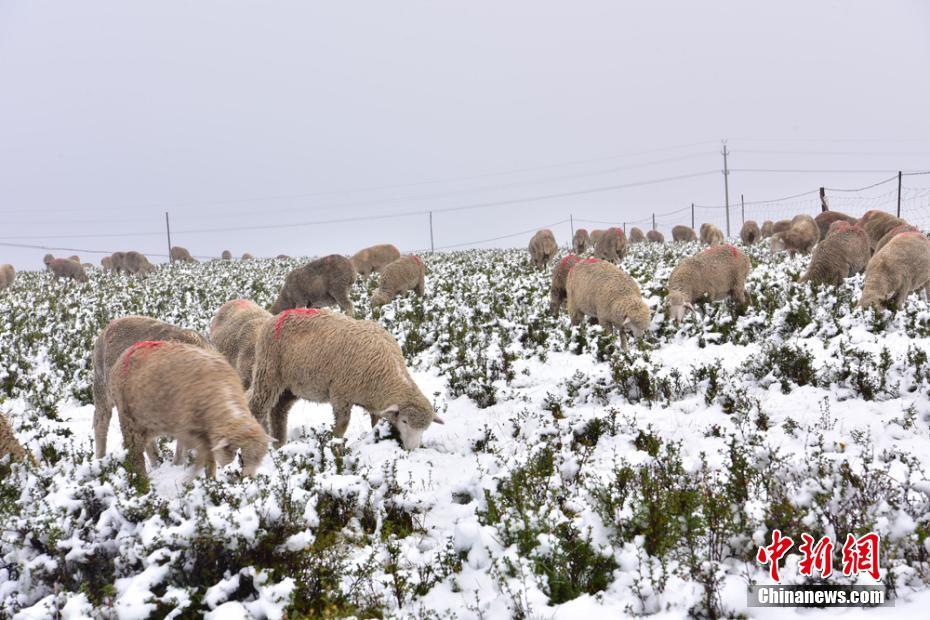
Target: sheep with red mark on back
[[716, 273], [405, 274]]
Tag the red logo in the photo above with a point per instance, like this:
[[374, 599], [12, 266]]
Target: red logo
[[860, 555]]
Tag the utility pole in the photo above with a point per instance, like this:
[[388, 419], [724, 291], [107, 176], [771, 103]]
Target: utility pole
[[899, 193], [431, 247], [624, 228], [742, 208], [168, 230], [692, 216], [726, 184], [571, 223]]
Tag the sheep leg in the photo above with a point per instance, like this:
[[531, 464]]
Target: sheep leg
[[575, 315], [739, 295], [263, 394], [623, 342], [279, 414], [204, 459], [342, 298], [341, 411], [901, 298], [151, 450], [179, 453], [420, 287], [134, 442], [103, 410], [555, 302]]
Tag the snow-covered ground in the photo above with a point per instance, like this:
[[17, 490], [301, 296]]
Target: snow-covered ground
[[570, 479]]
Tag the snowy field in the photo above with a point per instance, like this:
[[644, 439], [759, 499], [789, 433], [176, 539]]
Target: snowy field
[[571, 479]]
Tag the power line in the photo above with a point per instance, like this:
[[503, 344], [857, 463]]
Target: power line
[[169, 205], [859, 189], [508, 236], [860, 153], [805, 171]]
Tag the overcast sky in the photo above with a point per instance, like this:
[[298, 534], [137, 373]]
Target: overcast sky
[[234, 114]]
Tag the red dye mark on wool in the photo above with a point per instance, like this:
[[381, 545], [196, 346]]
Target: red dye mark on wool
[[295, 312]]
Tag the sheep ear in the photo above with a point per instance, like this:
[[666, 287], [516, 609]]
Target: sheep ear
[[690, 307], [269, 438], [437, 419], [627, 321], [390, 414], [221, 444]]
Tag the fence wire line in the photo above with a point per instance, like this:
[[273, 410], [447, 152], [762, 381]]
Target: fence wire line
[[87, 251]]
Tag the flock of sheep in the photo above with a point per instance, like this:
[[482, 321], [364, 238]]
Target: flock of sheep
[[894, 255], [230, 391]]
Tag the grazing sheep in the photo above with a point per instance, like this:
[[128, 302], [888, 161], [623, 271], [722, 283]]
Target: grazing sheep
[[902, 266], [558, 294], [768, 229], [581, 241], [234, 330], [781, 226], [75, 258], [283, 257], [106, 263], [324, 357], [405, 274], [801, 237], [48, 258], [372, 259], [602, 290], [542, 248], [113, 340], [137, 264], [655, 236], [877, 224], [636, 235], [88, 266], [750, 232], [683, 233], [189, 393], [323, 282], [716, 273], [843, 253], [611, 246], [595, 236], [226, 255], [118, 262], [825, 218], [897, 230], [67, 268], [711, 235], [182, 255], [7, 276], [247, 256], [9, 445]]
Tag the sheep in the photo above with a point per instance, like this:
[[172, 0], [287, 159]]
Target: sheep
[[683, 233], [405, 274], [542, 248], [636, 235], [282, 257], [897, 230], [247, 256], [190, 393], [611, 246], [137, 264], [75, 258], [374, 258], [118, 335], [767, 229], [557, 293], [181, 254], [902, 266], [226, 255], [711, 275], [825, 218], [581, 241], [655, 236], [321, 356], [88, 266], [750, 232], [67, 268], [234, 330], [7, 276], [48, 258], [323, 282], [602, 290], [711, 235], [9, 445], [801, 237], [118, 262], [877, 224], [781, 226], [843, 253], [106, 263], [595, 236]]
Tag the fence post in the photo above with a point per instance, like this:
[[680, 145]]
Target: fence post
[[624, 228], [899, 193], [692, 216], [823, 200], [431, 248], [742, 209], [653, 221], [571, 223], [726, 184], [168, 230]]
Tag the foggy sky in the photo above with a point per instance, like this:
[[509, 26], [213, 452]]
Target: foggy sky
[[236, 114]]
